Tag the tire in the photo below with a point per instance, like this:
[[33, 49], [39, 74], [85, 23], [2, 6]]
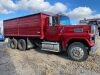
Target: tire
[[8, 44], [22, 45], [13, 43], [77, 51]]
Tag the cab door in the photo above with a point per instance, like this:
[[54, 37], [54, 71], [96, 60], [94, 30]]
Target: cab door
[[53, 29]]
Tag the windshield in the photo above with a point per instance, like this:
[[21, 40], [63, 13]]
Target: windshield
[[64, 20]]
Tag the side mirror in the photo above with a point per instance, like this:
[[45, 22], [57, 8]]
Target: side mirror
[[50, 21]]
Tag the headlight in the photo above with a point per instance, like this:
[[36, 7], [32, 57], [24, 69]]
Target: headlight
[[92, 38]]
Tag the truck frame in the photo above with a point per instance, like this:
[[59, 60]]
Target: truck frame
[[50, 33]]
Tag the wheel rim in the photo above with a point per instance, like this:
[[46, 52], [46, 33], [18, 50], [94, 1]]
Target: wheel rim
[[77, 53]]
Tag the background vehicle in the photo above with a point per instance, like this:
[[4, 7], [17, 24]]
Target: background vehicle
[[50, 33], [1, 35], [95, 22]]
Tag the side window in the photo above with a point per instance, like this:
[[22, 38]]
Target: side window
[[53, 21]]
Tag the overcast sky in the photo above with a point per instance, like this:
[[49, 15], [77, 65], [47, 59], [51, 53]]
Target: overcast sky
[[75, 9]]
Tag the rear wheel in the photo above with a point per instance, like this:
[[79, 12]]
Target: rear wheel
[[22, 45], [8, 43], [13, 43], [77, 51]]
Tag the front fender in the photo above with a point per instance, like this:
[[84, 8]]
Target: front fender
[[68, 41]]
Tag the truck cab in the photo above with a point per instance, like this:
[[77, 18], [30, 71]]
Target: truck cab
[[56, 26]]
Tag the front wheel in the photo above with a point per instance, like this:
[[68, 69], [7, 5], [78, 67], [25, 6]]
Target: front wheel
[[77, 51]]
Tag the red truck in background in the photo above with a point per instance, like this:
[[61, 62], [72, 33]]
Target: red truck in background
[[95, 22], [50, 33]]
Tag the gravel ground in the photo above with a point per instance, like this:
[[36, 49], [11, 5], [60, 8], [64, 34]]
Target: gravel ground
[[37, 62]]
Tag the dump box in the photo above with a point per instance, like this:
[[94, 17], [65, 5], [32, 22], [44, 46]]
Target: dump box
[[30, 26]]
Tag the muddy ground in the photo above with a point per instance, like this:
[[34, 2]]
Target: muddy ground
[[37, 62]]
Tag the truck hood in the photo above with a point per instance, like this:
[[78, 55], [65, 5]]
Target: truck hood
[[76, 28]]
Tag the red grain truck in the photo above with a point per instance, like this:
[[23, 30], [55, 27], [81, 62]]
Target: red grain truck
[[50, 33]]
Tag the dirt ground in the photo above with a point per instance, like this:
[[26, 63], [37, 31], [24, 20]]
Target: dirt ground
[[37, 62]]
